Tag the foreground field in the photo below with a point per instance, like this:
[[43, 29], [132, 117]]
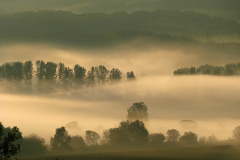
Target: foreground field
[[225, 152]]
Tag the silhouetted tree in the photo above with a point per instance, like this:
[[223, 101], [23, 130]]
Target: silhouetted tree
[[79, 75], [105, 137], [172, 135], [101, 74], [129, 134], [90, 78], [130, 76], [156, 139], [28, 73], [33, 145], [192, 70], [115, 75], [17, 71], [92, 138], [50, 71], [236, 133], [138, 111], [77, 142], [212, 139], [189, 138], [60, 141], [8, 71], [202, 140], [40, 70], [10, 140]]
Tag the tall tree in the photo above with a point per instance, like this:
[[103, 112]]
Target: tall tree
[[138, 111], [92, 138], [101, 74], [40, 70], [129, 134], [28, 73], [172, 135], [10, 140], [115, 75], [50, 71], [90, 79], [17, 71], [60, 141], [79, 75]]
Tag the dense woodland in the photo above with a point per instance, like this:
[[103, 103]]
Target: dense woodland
[[131, 134], [104, 29], [227, 9], [228, 70], [50, 77]]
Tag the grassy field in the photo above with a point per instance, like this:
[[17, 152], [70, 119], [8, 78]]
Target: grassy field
[[189, 153]]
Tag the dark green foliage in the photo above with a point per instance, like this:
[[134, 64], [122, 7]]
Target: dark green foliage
[[228, 70], [33, 145], [8, 71], [138, 111], [189, 138], [77, 143], [101, 74], [90, 79], [50, 71], [40, 72], [17, 71], [115, 75], [93, 29], [92, 138], [10, 140], [129, 134], [130, 76], [157, 139], [61, 140], [173, 135], [79, 75], [28, 71]]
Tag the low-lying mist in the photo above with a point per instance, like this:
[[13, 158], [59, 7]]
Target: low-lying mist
[[211, 101]]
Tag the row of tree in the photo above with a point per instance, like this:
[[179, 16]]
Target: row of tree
[[228, 70], [51, 77], [130, 134]]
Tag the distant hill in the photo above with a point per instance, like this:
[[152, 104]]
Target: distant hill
[[225, 8], [100, 28]]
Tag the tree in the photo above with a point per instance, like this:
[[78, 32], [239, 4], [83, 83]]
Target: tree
[[138, 111], [236, 133], [101, 74], [90, 79], [28, 73], [77, 142], [79, 75], [115, 75], [192, 70], [92, 138], [10, 140], [212, 139], [105, 138], [33, 145], [17, 71], [156, 139], [129, 134], [50, 71], [189, 138], [172, 135], [130, 76], [60, 141], [40, 70]]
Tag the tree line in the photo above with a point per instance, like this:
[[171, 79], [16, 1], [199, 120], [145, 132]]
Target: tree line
[[99, 28], [228, 70], [129, 134], [52, 77]]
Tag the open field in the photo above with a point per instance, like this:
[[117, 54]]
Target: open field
[[225, 152]]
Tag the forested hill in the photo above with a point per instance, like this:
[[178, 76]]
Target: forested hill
[[225, 8], [67, 27]]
